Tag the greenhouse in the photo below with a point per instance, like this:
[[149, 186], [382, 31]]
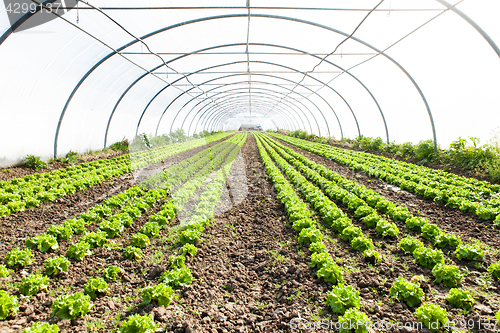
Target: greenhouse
[[249, 165]]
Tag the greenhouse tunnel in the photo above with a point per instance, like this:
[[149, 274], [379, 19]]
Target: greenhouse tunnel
[[100, 71]]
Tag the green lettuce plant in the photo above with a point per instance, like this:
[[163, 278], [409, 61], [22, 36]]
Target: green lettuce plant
[[406, 291], [494, 270], [112, 228], [409, 244], [43, 242], [188, 249], [79, 250], [139, 324], [71, 306], [151, 229], [39, 327], [449, 275], [177, 261], [428, 257], [469, 252], [111, 272], [331, 273], [458, 298], [140, 240], [8, 305], [189, 236], [63, 231], [94, 286], [132, 253], [162, 293], [432, 316], [33, 284], [342, 297], [177, 278], [54, 266], [95, 239], [4, 271], [19, 258], [355, 321]]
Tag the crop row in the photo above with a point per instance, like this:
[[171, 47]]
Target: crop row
[[402, 289], [113, 229], [368, 205], [467, 194], [19, 194], [343, 299]]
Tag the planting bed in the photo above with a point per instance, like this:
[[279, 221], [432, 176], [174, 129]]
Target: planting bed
[[291, 244]]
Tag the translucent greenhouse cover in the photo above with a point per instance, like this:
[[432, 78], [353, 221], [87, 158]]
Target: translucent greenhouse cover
[[404, 70]]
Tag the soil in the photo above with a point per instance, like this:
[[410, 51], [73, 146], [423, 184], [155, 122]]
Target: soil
[[251, 274]]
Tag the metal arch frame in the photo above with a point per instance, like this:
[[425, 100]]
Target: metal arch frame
[[236, 99], [214, 79], [225, 91], [211, 107], [284, 79], [231, 75], [232, 16], [297, 71], [238, 102], [266, 75], [443, 2], [240, 105], [254, 44], [258, 88]]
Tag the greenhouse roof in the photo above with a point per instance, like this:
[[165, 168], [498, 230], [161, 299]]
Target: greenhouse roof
[[82, 75]]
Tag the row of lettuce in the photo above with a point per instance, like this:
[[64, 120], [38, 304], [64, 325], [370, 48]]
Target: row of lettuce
[[467, 194], [19, 194], [345, 192], [113, 216]]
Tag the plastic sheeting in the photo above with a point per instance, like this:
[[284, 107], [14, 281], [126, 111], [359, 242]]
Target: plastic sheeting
[[84, 80]]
